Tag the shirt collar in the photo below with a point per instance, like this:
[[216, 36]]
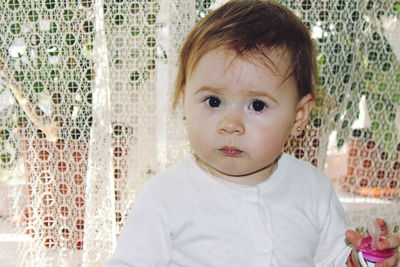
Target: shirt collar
[[276, 177]]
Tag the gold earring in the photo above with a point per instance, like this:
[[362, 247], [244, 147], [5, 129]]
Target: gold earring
[[184, 118]]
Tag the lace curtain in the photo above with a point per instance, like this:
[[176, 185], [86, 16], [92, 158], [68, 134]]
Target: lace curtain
[[86, 118]]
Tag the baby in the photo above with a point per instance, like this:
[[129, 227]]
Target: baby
[[247, 76]]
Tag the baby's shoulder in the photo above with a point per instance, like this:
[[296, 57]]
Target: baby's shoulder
[[177, 177], [305, 172]]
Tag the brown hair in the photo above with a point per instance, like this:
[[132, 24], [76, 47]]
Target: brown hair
[[249, 27]]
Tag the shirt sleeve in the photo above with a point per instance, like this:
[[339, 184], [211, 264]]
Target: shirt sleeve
[[332, 249], [144, 239]]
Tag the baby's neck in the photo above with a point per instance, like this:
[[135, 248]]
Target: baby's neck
[[250, 179]]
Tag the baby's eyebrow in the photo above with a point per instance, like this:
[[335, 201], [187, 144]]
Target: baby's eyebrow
[[261, 93], [208, 89]]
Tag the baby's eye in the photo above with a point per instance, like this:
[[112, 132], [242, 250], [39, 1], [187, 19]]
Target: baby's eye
[[213, 101], [257, 105]]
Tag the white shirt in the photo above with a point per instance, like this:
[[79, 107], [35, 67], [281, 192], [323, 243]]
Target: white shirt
[[187, 217]]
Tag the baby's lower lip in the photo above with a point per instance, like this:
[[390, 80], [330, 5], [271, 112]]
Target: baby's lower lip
[[230, 151]]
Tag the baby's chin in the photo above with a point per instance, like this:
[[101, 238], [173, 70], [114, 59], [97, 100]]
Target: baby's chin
[[218, 170], [240, 174], [236, 171], [248, 177]]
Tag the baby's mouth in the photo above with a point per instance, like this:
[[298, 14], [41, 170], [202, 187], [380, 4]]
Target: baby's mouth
[[230, 151]]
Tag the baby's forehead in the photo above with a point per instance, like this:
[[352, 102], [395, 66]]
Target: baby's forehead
[[276, 60], [220, 67]]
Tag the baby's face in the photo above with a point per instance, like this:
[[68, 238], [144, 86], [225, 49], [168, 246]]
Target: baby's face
[[239, 114]]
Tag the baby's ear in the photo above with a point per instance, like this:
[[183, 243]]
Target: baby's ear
[[303, 111]]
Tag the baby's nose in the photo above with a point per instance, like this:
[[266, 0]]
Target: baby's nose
[[231, 123]]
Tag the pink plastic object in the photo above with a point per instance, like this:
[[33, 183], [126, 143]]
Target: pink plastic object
[[371, 254]]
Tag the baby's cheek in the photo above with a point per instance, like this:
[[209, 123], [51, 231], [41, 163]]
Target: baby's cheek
[[272, 140], [198, 139]]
